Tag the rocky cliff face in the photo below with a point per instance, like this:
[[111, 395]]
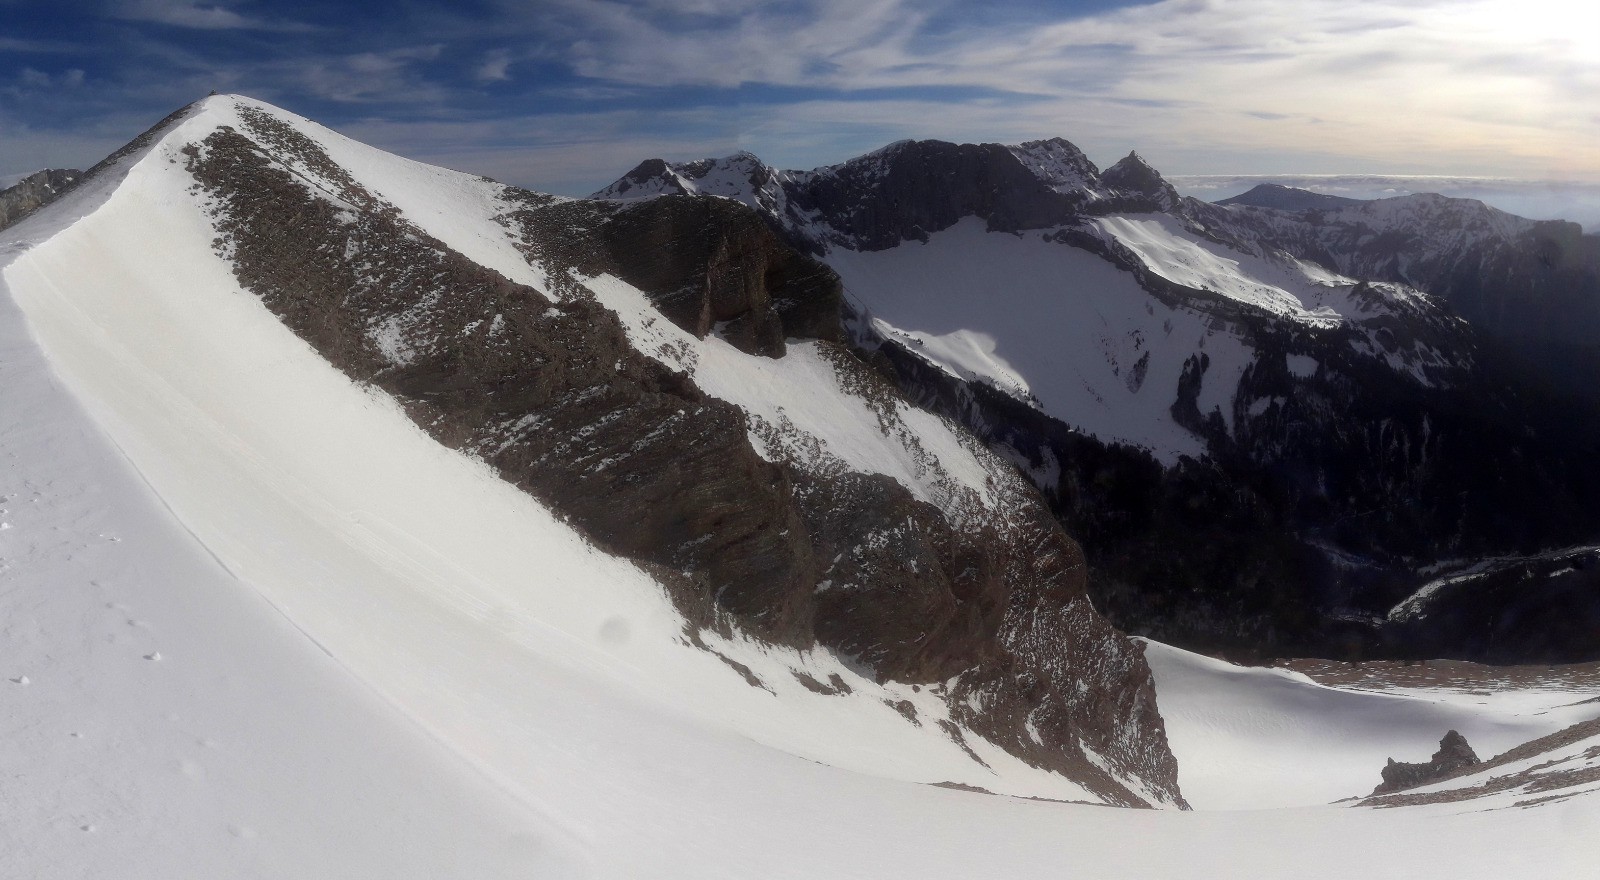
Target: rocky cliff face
[[33, 192], [1414, 400], [747, 520]]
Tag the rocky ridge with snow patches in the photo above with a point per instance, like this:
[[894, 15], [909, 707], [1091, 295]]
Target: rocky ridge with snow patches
[[844, 520]]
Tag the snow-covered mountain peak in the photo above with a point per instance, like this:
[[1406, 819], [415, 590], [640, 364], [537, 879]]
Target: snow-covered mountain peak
[[1060, 165], [741, 176], [657, 386]]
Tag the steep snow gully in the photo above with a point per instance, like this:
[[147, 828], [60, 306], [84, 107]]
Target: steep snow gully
[[258, 623]]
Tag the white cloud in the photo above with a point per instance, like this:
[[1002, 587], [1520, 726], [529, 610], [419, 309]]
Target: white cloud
[[1480, 84], [37, 80], [496, 67], [199, 16], [363, 77]]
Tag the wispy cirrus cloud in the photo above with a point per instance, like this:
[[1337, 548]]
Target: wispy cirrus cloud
[[200, 16], [1420, 83], [1497, 87]]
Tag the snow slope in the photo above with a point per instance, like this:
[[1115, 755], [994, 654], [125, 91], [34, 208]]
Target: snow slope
[[162, 720], [1252, 738], [327, 499], [538, 714], [1297, 290], [1049, 322]]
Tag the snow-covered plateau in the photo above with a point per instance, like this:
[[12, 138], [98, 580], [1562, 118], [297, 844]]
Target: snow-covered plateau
[[257, 622]]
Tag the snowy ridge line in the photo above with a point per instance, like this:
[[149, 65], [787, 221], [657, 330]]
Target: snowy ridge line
[[250, 434], [206, 728]]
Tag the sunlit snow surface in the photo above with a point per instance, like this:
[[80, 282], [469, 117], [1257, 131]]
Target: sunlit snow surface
[[1249, 738], [1044, 320], [1081, 339], [445, 681]]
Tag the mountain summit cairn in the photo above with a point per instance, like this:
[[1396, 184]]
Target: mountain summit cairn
[[1454, 754]]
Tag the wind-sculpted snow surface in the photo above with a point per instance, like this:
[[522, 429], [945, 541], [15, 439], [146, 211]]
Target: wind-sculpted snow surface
[[777, 513]]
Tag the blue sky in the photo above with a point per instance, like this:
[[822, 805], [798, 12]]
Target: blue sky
[[564, 95]]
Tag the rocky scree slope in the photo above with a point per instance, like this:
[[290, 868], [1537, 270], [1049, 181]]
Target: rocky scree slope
[[950, 574], [1356, 410]]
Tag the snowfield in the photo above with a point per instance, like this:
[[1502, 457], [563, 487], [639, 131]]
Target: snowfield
[[1253, 738], [257, 624], [1059, 326]]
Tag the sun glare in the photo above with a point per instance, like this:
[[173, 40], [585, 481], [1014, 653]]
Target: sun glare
[[1564, 29]]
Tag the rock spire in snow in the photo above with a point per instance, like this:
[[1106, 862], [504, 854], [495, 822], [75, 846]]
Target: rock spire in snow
[[1454, 754]]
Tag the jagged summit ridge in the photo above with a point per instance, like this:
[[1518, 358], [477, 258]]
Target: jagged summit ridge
[[903, 191]]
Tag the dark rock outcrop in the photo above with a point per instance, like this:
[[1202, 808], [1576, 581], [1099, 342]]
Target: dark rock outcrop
[[712, 263], [1133, 175], [1543, 608], [34, 192], [1287, 198], [1454, 755], [908, 190]]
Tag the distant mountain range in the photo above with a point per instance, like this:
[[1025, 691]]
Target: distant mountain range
[[1575, 200], [1269, 420]]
